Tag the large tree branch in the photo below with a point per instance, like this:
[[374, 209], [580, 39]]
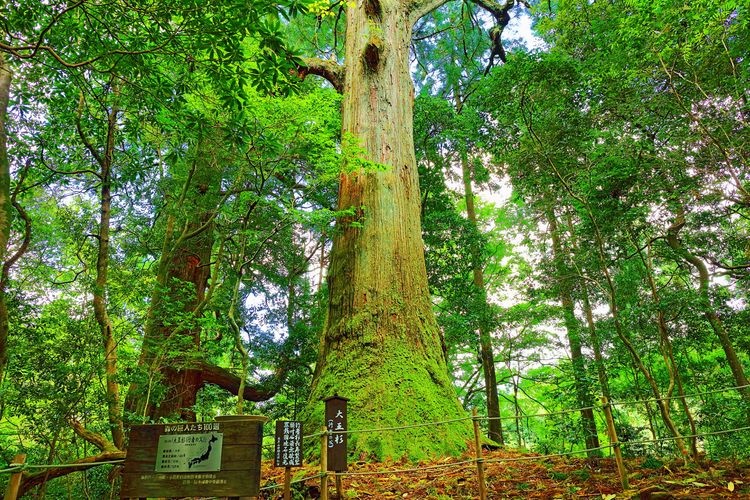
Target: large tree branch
[[419, 8], [330, 70], [212, 374], [31, 480], [98, 440]]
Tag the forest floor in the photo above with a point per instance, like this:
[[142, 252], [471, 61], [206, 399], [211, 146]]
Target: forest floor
[[523, 477]]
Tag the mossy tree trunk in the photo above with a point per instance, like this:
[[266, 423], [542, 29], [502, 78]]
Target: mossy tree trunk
[[169, 355], [381, 346], [172, 367]]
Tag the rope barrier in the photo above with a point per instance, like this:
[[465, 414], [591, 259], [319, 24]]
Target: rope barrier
[[561, 412], [406, 471], [400, 427], [552, 455], [313, 435], [14, 468], [89, 464], [687, 396], [21, 467], [277, 486], [623, 403], [687, 436]]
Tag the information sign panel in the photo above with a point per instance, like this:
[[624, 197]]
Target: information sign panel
[[197, 459], [288, 439]]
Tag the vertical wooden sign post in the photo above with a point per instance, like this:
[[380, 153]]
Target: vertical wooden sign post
[[337, 425], [288, 450]]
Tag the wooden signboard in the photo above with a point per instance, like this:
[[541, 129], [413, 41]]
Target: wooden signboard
[[288, 440], [219, 458], [336, 421]]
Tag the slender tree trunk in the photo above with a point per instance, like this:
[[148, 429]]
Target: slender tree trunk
[[615, 314], [662, 404], [572, 327], [649, 412], [105, 160], [381, 345], [601, 369], [665, 344], [596, 345], [517, 411], [6, 208], [495, 429], [708, 310]]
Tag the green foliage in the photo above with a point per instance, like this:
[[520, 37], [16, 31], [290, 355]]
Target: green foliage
[[634, 116]]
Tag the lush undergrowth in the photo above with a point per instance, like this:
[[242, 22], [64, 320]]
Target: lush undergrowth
[[523, 477]]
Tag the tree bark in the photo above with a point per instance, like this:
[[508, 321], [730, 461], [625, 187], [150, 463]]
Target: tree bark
[[381, 345], [665, 344], [735, 365], [611, 290], [6, 208], [494, 424], [662, 404], [105, 161], [596, 344], [170, 353], [572, 328]]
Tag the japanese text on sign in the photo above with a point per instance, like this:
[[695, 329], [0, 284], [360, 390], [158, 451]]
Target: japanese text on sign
[[336, 424], [288, 452]]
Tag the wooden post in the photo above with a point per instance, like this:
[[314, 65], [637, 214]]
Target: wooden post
[[480, 461], [287, 483], [615, 443], [324, 464], [339, 487], [11, 492]]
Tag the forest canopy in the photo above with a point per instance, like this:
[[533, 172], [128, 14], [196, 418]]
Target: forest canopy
[[243, 207]]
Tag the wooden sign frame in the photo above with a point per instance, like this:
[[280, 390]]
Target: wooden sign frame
[[220, 458], [288, 444]]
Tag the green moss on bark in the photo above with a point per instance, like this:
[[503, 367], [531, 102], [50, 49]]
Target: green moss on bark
[[387, 386]]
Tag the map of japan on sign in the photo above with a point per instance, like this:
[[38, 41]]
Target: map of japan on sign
[[189, 452]]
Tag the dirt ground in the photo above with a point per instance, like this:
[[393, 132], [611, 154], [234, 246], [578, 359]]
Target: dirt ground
[[524, 476]]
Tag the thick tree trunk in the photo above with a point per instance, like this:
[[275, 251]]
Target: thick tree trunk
[[170, 357], [572, 328], [170, 345], [381, 346]]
